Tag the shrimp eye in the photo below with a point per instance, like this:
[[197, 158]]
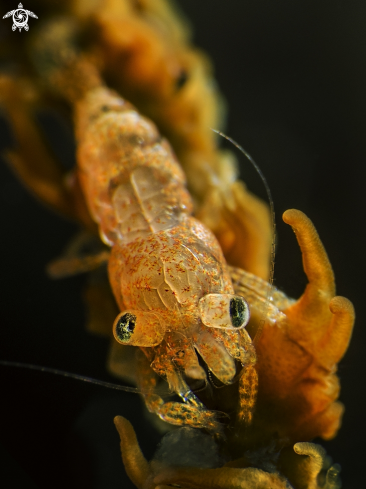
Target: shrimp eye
[[238, 311], [138, 328], [224, 311], [125, 327]]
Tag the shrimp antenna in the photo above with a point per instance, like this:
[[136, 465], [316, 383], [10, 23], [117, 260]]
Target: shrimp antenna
[[55, 371], [272, 212]]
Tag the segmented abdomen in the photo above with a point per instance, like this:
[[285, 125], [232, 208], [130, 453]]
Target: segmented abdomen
[[133, 183]]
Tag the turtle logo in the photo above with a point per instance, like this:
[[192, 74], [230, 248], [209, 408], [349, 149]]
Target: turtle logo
[[20, 17]]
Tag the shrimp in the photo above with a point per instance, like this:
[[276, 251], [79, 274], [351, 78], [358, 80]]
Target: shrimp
[[166, 269]]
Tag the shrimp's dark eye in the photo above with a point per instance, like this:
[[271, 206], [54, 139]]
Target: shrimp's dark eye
[[138, 328], [125, 327], [238, 311], [224, 311]]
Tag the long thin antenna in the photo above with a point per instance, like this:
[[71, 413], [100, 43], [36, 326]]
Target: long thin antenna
[[62, 373], [272, 212]]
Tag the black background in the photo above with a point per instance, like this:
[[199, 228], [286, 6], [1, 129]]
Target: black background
[[294, 76]]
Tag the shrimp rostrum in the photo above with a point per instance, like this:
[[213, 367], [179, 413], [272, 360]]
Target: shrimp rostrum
[[166, 269]]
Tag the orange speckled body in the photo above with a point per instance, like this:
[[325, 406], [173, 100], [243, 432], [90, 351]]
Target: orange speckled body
[[163, 261], [169, 271]]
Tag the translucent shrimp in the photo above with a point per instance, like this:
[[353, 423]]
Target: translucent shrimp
[[166, 269]]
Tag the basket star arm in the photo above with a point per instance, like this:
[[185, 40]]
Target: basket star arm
[[298, 355]]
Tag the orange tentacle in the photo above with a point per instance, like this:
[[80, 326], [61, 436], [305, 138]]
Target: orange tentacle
[[338, 335], [134, 461], [311, 311]]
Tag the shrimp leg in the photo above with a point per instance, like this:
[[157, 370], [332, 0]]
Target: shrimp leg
[[192, 413]]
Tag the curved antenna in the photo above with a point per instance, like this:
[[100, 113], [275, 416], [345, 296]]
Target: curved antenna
[[269, 297], [56, 371]]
